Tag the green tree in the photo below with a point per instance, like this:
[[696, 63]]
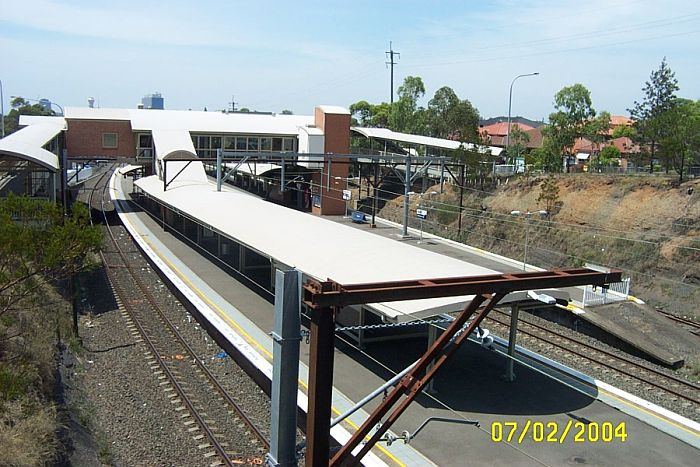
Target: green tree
[[651, 122], [608, 156], [624, 131], [405, 115], [548, 157], [681, 146], [37, 241], [450, 117], [517, 141], [21, 107], [287, 112], [549, 195], [571, 120], [596, 131], [370, 115]]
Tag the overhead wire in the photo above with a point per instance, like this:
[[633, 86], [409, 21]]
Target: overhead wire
[[569, 256]]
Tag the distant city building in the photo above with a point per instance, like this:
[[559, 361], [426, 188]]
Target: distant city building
[[153, 101], [45, 103]]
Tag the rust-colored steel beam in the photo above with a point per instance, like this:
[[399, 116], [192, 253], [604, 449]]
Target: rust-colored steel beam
[[412, 384], [343, 295], [318, 416], [322, 296]]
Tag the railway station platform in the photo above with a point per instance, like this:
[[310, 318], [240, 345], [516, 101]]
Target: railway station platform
[[630, 320], [471, 384]]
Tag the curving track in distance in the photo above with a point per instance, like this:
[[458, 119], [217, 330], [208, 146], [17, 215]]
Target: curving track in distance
[[673, 385], [217, 419]]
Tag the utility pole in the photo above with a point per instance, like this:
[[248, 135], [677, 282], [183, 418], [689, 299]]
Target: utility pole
[[390, 54], [233, 103]]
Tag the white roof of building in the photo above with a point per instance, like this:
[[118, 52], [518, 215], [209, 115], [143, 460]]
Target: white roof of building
[[91, 113], [27, 142], [334, 109], [198, 121], [171, 141], [385, 133], [318, 247]]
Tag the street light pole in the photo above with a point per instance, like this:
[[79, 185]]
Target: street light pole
[[510, 102], [38, 101]]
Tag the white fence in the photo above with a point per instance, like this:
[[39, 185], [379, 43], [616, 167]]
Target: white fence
[[616, 292]]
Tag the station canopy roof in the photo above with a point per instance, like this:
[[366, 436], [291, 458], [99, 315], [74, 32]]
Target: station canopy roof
[[197, 121], [27, 143], [388, 135], [318, 247]]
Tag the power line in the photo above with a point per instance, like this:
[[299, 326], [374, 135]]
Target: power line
[[391, 53]]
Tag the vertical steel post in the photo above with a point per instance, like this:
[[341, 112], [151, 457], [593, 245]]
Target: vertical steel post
[[432, 337], [375, 185], [514, 311], [461, 198], [282, 182], [442, 174], [285, 369], [64, 180], [218, 169], [406, 189], [318, 419]]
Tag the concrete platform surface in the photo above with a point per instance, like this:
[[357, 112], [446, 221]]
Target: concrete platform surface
[[470, 387], [645, 329]]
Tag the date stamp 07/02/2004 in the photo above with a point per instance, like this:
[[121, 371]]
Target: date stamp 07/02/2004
[[553, 432]]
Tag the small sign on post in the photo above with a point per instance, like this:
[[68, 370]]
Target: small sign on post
[[421, 213], [347, 195]]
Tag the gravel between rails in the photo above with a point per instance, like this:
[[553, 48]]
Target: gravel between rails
[[633, 386], [130, 409]]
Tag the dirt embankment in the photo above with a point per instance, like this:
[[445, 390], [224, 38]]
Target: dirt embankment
[[647, 226]]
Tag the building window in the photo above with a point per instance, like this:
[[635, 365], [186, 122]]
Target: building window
[[288, 145], [109, 140], [253, 144], [265, 144]]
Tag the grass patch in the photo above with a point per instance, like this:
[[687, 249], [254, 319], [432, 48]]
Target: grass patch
[[13, 384], [27, 434]]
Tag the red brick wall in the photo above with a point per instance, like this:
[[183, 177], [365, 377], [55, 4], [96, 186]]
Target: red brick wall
[[84, 138], [336, 130]]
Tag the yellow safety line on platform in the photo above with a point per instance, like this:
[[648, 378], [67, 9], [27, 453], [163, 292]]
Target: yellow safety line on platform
[[222, 314], [655, 415]]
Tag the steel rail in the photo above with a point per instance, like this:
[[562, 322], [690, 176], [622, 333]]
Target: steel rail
[[678, 319], [587, 356], [210, 377], [220, 450]]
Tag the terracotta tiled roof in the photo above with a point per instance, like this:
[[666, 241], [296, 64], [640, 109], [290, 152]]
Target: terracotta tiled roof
[[501, 128], [535, 135], [625, 145], [616, 120]]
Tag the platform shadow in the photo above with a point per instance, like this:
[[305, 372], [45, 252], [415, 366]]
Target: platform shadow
[[472, 380]]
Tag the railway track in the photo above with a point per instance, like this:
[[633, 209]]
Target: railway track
[[693, 325], [674, 386], [223, 432]]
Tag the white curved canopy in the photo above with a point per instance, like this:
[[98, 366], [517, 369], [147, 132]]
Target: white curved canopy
[[27, 143]]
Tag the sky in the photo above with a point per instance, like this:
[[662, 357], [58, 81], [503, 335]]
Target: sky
[[277, 55]]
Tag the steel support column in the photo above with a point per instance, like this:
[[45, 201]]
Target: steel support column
[[285, 369], [412, 384], [218, 169], [375, 185], [432, 337], [406, 197], [514, 311], [318, 419]]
